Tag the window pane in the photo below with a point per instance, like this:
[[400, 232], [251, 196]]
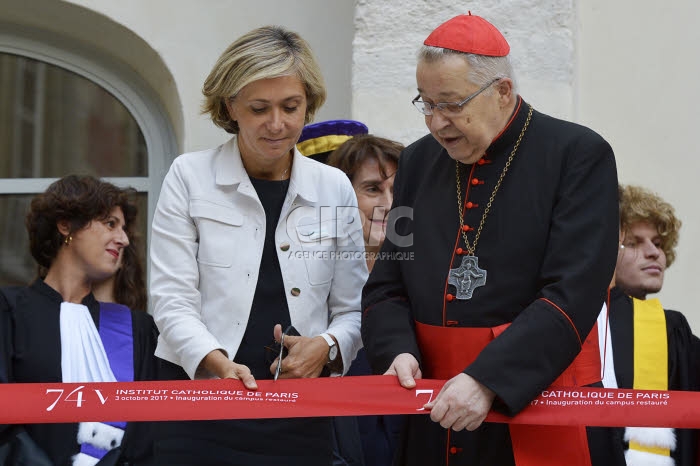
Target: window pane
[[17, 266], [54, 122]]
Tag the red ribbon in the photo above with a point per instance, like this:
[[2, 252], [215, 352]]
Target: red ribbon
[[336, 396]]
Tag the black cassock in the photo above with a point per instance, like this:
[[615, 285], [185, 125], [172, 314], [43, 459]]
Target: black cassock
[[682, 371], [548, 246], [30, 351]]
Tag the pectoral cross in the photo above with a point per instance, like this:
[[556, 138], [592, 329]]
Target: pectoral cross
[[467, 277]]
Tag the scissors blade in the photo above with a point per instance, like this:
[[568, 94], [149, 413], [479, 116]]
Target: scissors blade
[[278, 370]]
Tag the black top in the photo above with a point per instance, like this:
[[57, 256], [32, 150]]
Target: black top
[[30, 351], [549, 246], [269, 302]]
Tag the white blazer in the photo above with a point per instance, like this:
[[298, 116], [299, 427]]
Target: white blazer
[[206, 246]]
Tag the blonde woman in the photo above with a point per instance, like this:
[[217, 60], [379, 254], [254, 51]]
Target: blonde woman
[[249, 238]]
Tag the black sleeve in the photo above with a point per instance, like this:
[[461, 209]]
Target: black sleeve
[[137, 444], [145, 341], [695, 356], [683, 374], [681, 353], [5, 338], [16, 446], [576, 270]]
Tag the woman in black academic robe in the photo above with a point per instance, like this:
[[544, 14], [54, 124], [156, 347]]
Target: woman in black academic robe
[[78, 231]]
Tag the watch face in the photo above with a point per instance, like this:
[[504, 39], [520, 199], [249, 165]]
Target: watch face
[[333, 352]]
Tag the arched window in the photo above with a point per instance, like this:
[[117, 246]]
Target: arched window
[[69, 110]]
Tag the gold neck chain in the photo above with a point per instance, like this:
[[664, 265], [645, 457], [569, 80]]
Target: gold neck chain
[[289, 166], [284, 173], [460, 207]]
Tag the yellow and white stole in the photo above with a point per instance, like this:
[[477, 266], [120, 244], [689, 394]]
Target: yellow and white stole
[[650, 445]]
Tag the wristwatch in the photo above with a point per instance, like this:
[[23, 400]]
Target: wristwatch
[[332, 347]]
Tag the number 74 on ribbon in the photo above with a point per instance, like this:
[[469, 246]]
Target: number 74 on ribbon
[[78, 396]]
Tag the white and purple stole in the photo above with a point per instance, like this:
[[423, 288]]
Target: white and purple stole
[[91, 356]]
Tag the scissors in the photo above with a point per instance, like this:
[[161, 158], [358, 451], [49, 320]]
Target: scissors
[[283, 351], [281, 356]]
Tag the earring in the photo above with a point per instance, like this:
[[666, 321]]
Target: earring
[[68, 240]]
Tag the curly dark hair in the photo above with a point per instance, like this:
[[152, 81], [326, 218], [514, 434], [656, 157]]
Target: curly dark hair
[[77, 200]]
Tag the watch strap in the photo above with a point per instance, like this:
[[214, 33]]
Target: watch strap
[[333, 350], [328, 339]]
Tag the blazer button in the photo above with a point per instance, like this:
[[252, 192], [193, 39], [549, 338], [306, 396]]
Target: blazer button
[[296, 291], [284, 246]]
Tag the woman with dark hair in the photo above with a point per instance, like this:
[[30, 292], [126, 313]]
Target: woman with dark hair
[[54, 330], [370, 163]]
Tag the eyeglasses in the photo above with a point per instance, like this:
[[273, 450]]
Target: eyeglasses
[[447, 108]]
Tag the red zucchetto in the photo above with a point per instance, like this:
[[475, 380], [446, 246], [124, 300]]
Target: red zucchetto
[[469, 34]]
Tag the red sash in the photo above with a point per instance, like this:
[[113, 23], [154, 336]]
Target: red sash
[[447, 351]]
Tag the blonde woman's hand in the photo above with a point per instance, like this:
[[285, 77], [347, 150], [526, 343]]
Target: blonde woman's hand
[[306, 356], [218, 364]]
